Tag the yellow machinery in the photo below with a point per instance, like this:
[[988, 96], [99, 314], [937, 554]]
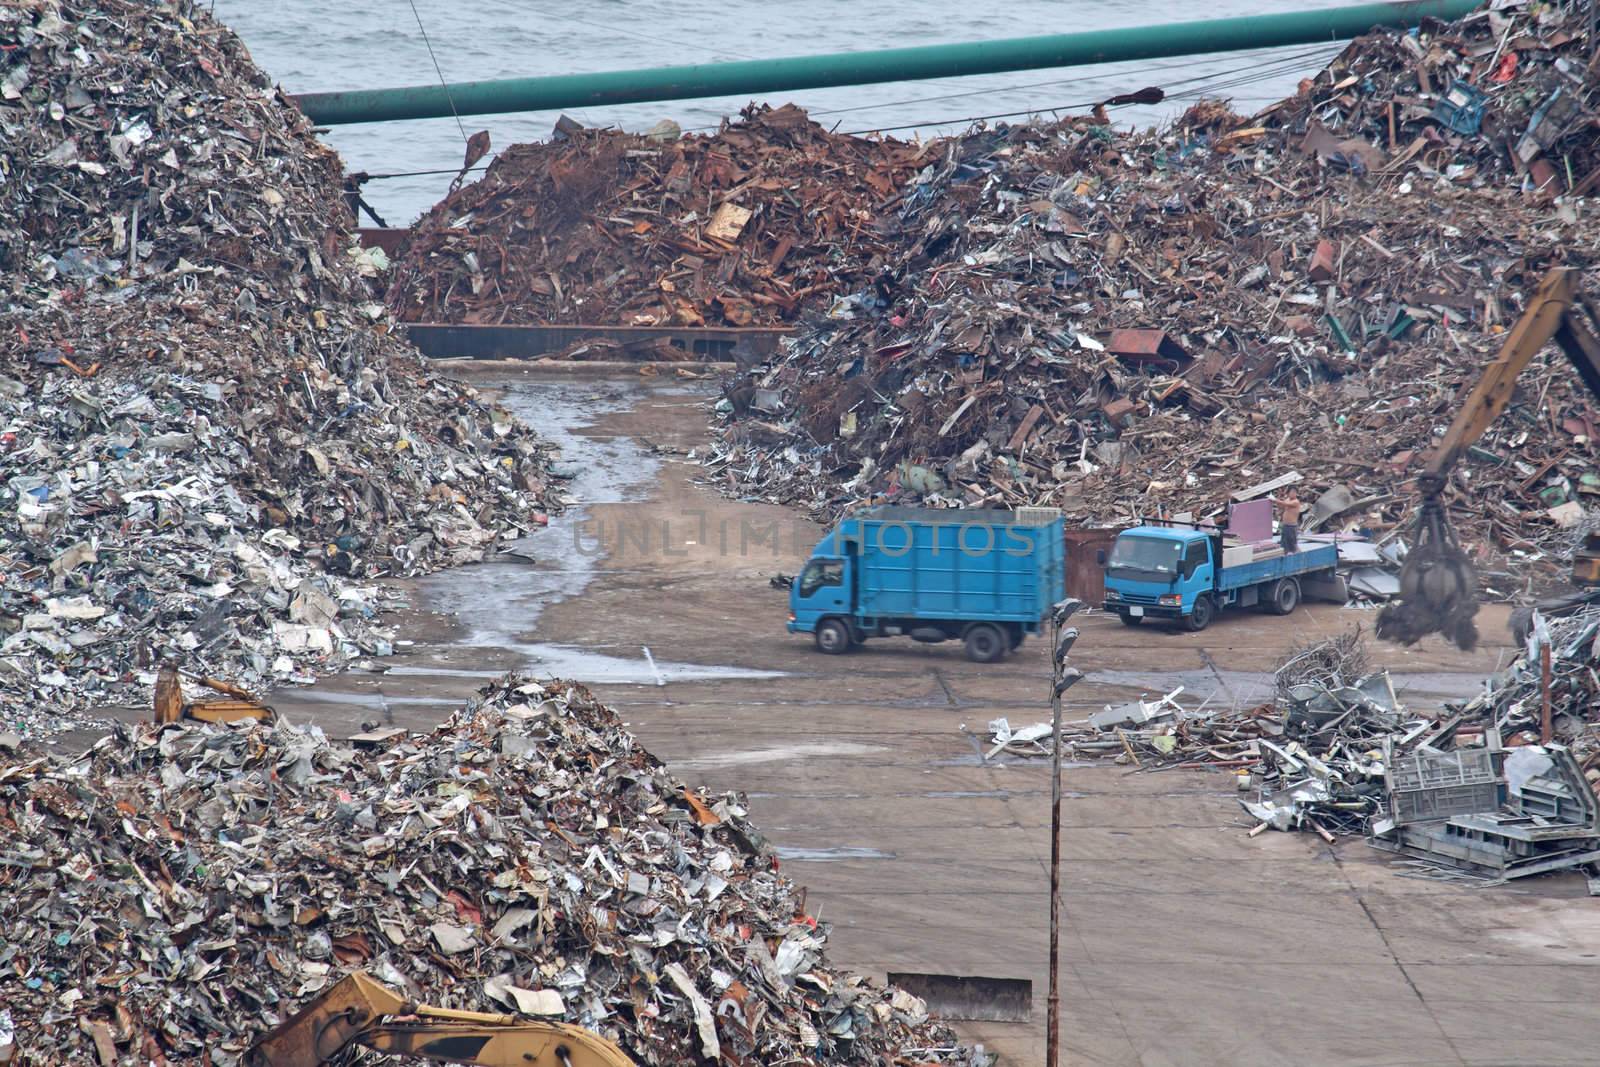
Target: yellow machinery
[[235, 705], [1437, 583], [360, 1012]]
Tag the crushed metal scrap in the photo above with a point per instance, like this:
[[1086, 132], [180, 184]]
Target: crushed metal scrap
[[1130, 324], [749, 226], [210, 445], [1499, 787], [177, 891]]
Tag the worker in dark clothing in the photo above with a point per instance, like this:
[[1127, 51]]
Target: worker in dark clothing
[[1289, 508]]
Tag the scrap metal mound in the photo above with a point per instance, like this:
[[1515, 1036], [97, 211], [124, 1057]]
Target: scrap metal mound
[[1499, 96], [1486, 789], [1124, 325], [207, 432], [175, 892], [749, 226]]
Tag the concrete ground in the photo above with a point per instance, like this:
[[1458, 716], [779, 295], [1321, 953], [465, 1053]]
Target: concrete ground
[[1185, 941]]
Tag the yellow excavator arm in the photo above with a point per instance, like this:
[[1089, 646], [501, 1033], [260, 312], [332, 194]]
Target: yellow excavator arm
[[1437, 582], [1548, 316], [360, 1011], [235, 705]]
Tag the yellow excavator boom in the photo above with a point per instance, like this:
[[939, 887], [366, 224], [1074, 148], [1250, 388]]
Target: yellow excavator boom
[[1539, 322], [235, 705], [360, 1011]]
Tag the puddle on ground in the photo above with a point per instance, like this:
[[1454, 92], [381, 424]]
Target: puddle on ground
[[942, 794], [595, 668], [1245, 688], [776, 755], [976, 760], [499, 601], [824, 855]]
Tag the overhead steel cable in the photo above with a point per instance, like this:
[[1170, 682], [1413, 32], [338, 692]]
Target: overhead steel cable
[[442, 83]]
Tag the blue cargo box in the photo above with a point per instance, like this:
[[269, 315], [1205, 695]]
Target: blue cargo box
[[975, 565]]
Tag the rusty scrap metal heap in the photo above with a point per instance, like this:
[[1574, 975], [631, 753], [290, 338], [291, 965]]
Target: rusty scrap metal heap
[[207, 436], [1500, 97], [175, 892], [1126, 324], [745, 227]]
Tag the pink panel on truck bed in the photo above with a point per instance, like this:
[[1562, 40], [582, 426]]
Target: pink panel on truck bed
[[1251, 521]]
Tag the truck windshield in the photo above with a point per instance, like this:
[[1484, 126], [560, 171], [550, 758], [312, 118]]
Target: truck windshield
[[1148, 555], [819, 573]]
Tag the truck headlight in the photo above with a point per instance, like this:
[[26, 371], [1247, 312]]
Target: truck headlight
[[1112, 594], [1172, 600]]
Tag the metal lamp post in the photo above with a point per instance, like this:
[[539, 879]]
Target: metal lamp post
[[1062, 678]]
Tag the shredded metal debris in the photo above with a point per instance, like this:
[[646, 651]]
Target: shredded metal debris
[[182, 889], [210, 444], [1128, 324], [1501, 786], [752, 225]]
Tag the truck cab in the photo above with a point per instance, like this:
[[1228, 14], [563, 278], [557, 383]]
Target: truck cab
[[1159, 572], [820, 591], [1190, 573]]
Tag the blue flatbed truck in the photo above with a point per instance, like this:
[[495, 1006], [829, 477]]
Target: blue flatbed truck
[[983, 577], [1180, 573]]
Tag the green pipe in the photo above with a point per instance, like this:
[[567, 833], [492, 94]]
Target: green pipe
[[762, 76]]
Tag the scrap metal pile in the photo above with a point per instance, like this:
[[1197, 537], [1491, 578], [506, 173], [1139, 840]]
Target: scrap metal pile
[[1512, 700], [1488, 788], [1499, 787], [207, 436], [174, 893], [748, 226], [1127, 324], [1333, 717], [1500, 97]]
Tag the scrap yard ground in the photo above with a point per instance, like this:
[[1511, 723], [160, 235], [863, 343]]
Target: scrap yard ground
[[1186, 940], [220, 455]]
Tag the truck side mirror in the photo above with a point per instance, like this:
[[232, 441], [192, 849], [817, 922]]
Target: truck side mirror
[[1100, 558]]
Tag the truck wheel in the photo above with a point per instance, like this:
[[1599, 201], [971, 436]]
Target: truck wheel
[[1130, 620], [985, 643], [1200, 618], [1285, 596], [833, 637]]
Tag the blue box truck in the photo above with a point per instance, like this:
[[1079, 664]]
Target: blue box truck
[[983, 577], [1185, 574]]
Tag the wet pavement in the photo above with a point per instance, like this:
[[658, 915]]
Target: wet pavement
[[1238, 690], [485, 617], [499, 603], [1185, 942]]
